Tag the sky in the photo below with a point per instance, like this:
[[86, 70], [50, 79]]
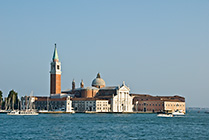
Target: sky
[[156, 47]]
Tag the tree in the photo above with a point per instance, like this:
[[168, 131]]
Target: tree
[[1, 99], [12, 100]]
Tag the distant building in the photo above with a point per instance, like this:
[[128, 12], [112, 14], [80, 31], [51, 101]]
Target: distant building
[[148, 103], [90, 104], [98, 97], [54, 104], [117, 96]]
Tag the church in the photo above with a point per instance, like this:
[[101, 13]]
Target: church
[[100, 98], [96, 98], [118, 97]]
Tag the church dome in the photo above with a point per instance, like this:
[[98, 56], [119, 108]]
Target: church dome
[[98, 82]]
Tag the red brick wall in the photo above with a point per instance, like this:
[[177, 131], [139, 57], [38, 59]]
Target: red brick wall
[[150, 106], [55, 84]]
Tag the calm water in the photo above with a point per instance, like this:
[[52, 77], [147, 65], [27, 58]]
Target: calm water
[[104, 126]]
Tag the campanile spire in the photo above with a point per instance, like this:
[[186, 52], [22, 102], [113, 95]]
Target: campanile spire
[[55, 57]]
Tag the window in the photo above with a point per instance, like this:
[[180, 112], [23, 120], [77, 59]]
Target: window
[[58, 67]]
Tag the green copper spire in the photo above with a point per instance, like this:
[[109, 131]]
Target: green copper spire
[[55, 56]]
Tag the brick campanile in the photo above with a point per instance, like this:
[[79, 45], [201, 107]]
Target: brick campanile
[[55, 74]]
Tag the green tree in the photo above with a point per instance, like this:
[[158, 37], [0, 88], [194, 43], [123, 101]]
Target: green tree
[[1, 99], [12, 100]]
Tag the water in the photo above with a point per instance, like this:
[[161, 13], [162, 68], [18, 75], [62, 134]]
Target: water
[[104, 126]]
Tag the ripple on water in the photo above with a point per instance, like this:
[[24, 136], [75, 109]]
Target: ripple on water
[[104, 126]]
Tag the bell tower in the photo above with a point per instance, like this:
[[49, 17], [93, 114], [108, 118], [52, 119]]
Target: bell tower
[[55, 74]]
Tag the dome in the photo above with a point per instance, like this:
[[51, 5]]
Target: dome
[[98, 82]]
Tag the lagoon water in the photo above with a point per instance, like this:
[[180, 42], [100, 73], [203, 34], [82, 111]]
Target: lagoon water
[[193, 126]]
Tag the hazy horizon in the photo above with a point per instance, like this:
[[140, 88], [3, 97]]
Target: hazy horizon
[[156, 47]]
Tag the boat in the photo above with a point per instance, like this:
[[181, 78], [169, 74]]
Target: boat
[[4, 111], [43, 111], [178, 113], [23, 112], [165, 115]]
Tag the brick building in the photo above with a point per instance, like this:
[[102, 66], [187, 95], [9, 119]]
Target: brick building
[[148, 103]]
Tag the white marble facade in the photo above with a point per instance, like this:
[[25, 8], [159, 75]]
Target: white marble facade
[[122, 101]]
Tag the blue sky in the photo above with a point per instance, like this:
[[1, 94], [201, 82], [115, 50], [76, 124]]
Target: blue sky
[[156, 47]]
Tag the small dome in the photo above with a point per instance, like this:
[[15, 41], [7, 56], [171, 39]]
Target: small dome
[[98, 82]]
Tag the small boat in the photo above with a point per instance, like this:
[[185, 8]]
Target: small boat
[[43, 111], [3, 111], [178, 113], [207, 112], [165, 115], [22, 112]]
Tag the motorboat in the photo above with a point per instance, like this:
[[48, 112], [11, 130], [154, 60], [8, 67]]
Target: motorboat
[[178, 113], [165, 115]]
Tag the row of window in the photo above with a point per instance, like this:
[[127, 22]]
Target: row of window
[[99, 108], [157, 104], [173, 105], [149, 104], [101, 104], [50, 103], [88, 108], [89, 102], [150, 110]]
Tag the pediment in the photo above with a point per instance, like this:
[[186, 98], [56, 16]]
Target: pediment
[[124, 88]]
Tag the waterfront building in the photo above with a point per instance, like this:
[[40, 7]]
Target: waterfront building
[[90, 105], [54, 104], [152, 104], [174, 105], [119, 98]]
